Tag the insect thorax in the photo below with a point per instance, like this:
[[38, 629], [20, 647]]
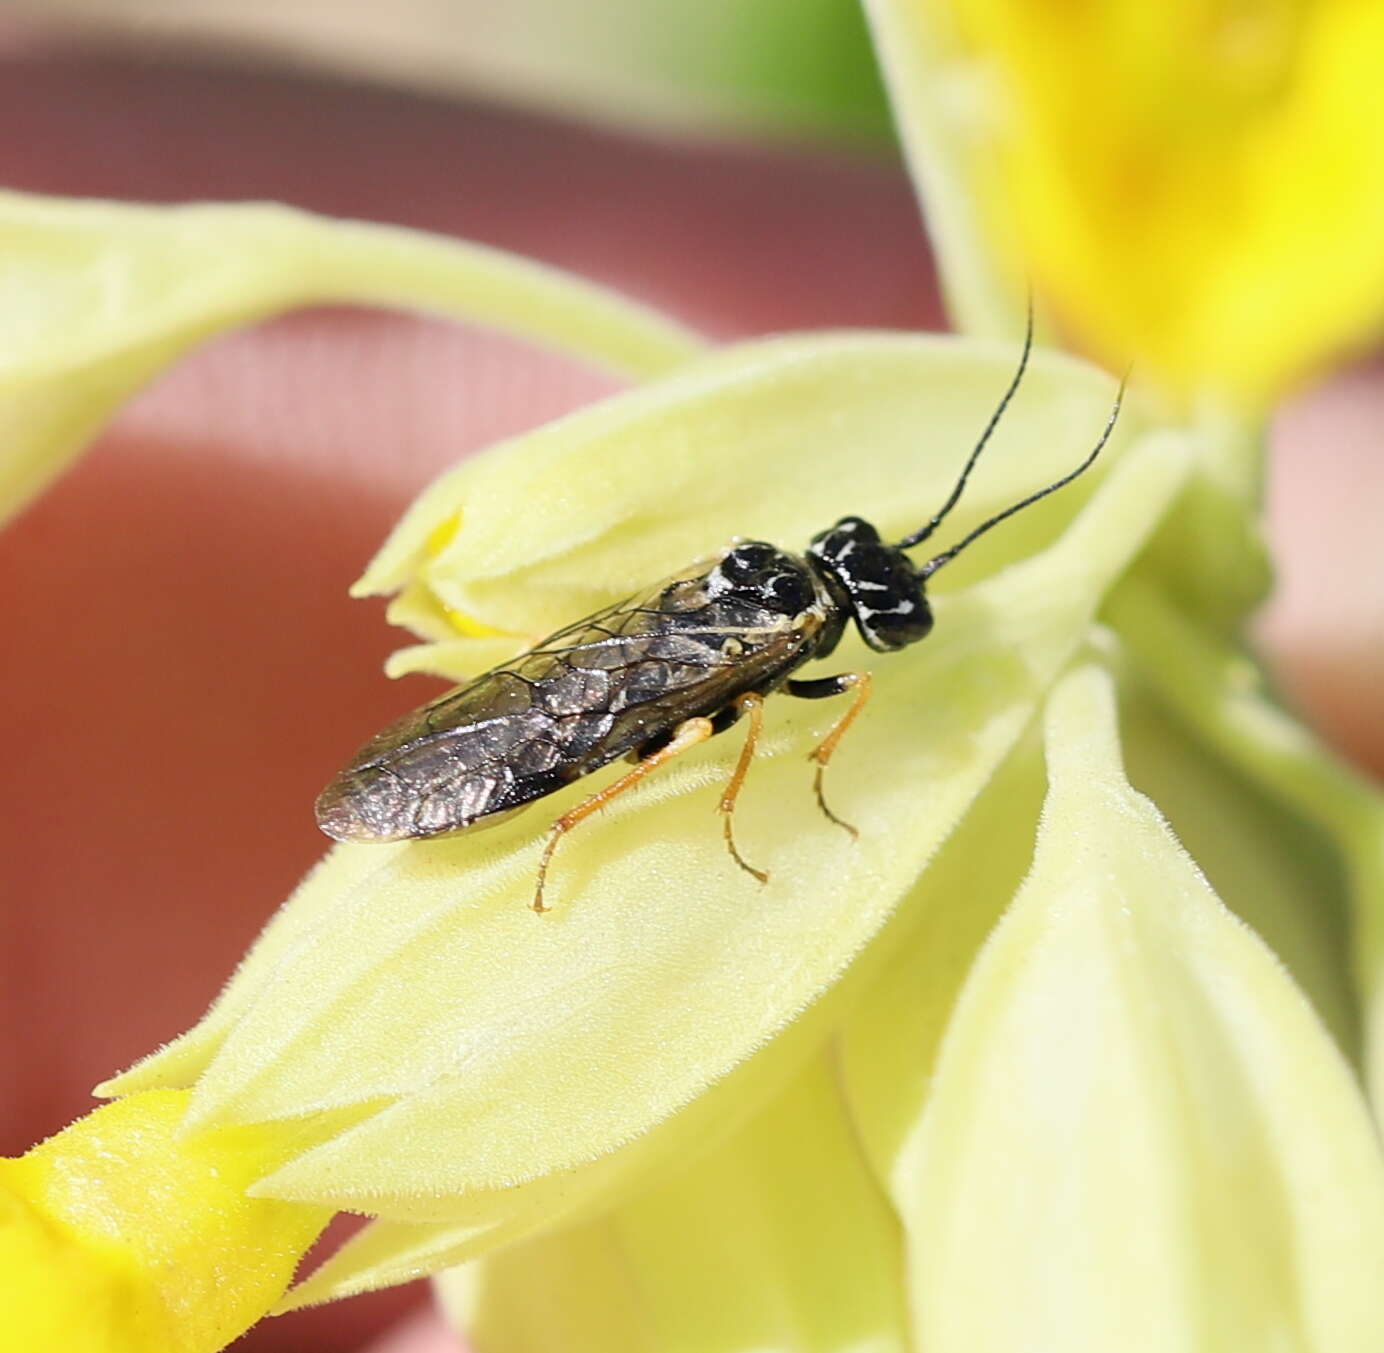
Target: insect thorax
[[877, 584], [760, 575]]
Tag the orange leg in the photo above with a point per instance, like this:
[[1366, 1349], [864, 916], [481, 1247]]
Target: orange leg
[[751, 703], [859, 682], [688, 734]]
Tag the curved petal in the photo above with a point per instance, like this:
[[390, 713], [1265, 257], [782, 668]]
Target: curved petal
[[575, 515], [506, 1049], [1139, 1136], [776, 1239], [890, 1039], [118, 1235], [437, 988], [99, 297], [1215, 691], [772, 439], [1269, 864]]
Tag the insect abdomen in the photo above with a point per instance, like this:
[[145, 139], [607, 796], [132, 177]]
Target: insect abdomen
[[447, 780]]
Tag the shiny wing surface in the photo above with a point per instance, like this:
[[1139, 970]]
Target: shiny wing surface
[[585, 696]]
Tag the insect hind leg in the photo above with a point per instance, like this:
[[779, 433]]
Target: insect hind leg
[[821, 689], [690, 733], [750, 703]]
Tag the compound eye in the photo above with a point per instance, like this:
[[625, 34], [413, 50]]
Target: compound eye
[[904, 620], [843, 538]]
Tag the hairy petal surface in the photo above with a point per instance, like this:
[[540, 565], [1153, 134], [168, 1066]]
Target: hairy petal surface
[[97, 298], [533, 1063], [1139, 1135], [1216, 691], [759, 439], [779, 1238], [1271, 865], [119, 1235], [772, 439]]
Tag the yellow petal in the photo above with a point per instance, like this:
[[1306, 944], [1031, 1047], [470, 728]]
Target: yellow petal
[[938, 99], [1139, 1136], [890, 1039], [528, 1060], [1191, 183], [773, 439], [455, 659], [757, 439], [776, 1239], [1217, 693], [99, 297], [1266, 861], [118, 1235]]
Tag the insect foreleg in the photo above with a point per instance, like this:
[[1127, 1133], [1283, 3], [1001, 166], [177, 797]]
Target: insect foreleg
[[687, 735], [752, 704], [820, 689]]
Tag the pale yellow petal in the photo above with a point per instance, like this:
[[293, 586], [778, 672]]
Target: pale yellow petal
[[889, 1041], [772, 439], [777, 1239], [1217, 692], [453, 659], [1272, 868], [775, 438], [1139, 1136], [96, 298], [1268, 863], [438, 990], [939, 109], [504, 1047], [452, 1230]]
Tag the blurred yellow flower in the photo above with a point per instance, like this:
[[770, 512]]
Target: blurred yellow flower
[[1192, 185]]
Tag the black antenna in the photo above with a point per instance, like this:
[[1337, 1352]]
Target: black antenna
[[923, 532], [932, 565]]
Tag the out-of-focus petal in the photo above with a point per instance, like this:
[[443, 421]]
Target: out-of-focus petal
[[97, 298], [939, 104], [1191, 184]]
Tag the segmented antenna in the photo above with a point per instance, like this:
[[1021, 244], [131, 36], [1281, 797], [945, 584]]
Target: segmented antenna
[[932, 565], [923, 532]]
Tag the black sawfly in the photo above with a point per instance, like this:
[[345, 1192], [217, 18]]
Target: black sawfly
[[654, 675]]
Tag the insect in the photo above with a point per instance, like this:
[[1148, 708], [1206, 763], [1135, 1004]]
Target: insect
[[654, 675]]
